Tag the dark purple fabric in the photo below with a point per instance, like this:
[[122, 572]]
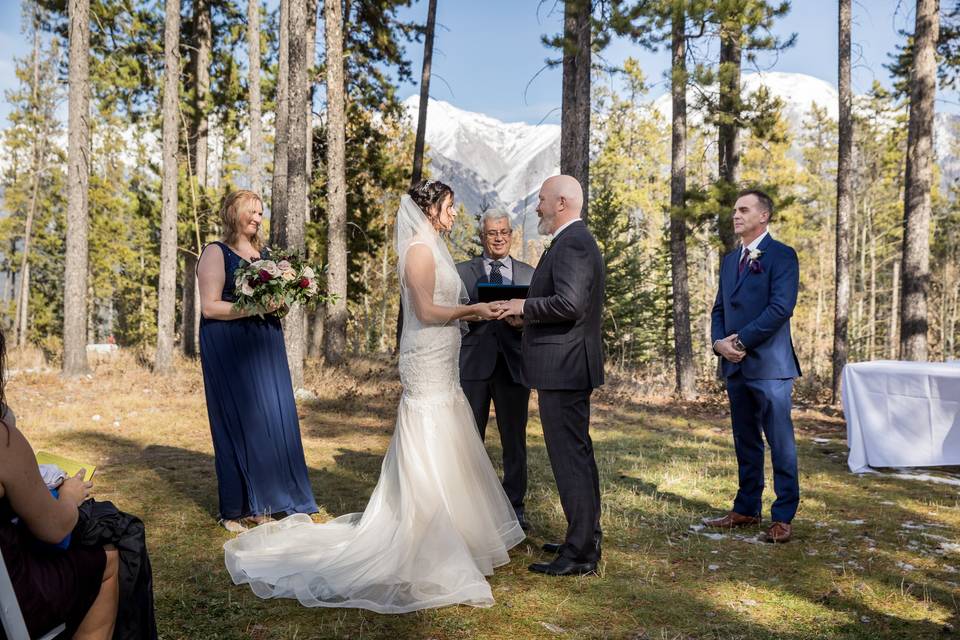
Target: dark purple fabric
[[53, 586]]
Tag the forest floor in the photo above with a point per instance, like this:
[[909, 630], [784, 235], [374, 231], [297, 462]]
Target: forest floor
[[874, 556]]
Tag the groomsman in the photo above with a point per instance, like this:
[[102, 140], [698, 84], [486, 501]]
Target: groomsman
[[490, 360], [751, 333]]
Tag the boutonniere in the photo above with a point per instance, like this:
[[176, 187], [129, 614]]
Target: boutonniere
[[753, 261]]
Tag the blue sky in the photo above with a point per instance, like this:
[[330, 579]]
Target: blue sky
[[487, 52]]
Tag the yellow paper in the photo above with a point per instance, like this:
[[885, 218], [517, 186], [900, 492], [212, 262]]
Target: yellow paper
[[67, 464]]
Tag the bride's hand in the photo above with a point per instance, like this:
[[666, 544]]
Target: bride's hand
[[485, 310]]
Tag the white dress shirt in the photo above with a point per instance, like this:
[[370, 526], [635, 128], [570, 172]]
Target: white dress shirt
[[753, 245], [506, 268]]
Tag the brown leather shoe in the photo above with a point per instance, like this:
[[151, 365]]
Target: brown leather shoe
[[732, 520], [778, 532]]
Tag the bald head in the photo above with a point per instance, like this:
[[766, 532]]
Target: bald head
[[560, 201]]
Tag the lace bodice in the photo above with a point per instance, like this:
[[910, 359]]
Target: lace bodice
[[430, 353]]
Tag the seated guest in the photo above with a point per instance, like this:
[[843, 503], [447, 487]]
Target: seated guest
[[77, 586]]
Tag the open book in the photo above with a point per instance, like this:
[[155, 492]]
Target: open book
[[69, 466]]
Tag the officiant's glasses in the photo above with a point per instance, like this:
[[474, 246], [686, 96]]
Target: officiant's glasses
[[492, 235]]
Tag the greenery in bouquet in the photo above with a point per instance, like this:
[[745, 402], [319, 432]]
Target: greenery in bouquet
[[276, 283]]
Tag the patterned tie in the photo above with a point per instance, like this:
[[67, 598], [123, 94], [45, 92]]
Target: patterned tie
[[495, 276], [743, 262]]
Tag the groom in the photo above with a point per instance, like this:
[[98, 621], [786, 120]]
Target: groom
[[751, 333], [563, 360]]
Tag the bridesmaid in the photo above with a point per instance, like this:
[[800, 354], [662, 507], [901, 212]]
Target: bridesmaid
[[253, 416]]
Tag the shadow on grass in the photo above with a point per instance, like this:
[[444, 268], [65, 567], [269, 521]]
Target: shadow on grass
[[654, 580]]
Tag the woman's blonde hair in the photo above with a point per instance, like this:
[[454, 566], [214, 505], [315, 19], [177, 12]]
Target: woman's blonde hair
[[230, 216]]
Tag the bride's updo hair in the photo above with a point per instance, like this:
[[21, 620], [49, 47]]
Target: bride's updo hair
[[429, 195]]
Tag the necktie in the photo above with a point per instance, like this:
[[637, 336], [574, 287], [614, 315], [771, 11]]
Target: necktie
[[743, 261], [495, 276]]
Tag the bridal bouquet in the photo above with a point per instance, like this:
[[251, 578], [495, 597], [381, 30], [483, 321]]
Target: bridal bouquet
[[279, 282]]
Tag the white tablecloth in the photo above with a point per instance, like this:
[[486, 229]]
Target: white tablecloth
[[902, 414]]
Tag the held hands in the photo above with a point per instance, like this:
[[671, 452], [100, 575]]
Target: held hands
[[484, 311], [510, 308], [75, 490], [728, 348]]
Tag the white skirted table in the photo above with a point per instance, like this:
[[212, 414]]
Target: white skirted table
[[902, 414]]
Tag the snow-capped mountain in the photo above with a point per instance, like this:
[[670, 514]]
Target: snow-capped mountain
[[493, 163], [488, 163]]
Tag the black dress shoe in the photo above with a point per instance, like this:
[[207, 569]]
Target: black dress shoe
[[522, 519], [564, 567], [551, 547]]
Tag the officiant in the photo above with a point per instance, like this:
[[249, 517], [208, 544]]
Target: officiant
[[490, 358]]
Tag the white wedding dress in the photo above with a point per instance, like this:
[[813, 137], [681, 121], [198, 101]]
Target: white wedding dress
[[438, 520]]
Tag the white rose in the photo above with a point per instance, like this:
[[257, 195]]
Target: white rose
[[246, 289], [307, 273], [287, 275], [284, 265], [270, 267]]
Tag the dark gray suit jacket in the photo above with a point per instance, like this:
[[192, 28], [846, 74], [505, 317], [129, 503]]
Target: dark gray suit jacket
[[479, 347], [563, 315]]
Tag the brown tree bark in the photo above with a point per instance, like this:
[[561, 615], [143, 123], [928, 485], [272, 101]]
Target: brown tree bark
[[575, 105], [278, 196], [294, 325], [78, 180], [686, 377], [197, 136], [918, 183], [335, 329], [255, 99], [841, 308], [167, 289], [424, 93], [728, 131]]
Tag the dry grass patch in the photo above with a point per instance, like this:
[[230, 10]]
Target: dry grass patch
[[872, 557]]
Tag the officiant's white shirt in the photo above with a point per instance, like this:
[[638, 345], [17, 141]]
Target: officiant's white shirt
[[506, 268]]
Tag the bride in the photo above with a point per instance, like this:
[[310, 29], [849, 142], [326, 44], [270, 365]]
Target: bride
[[438, 520]]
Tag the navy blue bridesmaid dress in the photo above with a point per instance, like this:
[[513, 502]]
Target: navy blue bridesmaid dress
[[253, 415]]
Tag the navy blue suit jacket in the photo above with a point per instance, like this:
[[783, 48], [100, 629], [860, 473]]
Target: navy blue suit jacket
[[757, 306]]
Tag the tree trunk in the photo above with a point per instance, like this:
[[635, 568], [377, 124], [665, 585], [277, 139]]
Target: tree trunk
[[311, 49], [335, 330], [197, 139], [168, 223], [78, 180], [424, 93], [918, 183], [256, 106], [20, 319], [841, 308], [575, 105], [686, 375], [893, 341], [293, 326], [728, 131], [278, 196]]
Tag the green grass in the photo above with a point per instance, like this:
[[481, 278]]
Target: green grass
[[663, 466]]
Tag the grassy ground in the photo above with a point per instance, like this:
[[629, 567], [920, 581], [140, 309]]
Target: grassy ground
[[874, 556]]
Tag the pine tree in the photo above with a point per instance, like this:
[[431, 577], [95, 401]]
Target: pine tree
[[255, 143], [844, 204], [918, 183], [335, 327], [424, 92], [168, 229], [78, 178]]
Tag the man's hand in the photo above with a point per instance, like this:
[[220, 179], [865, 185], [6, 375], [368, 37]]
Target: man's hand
[[727, 349], [510, 308]]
